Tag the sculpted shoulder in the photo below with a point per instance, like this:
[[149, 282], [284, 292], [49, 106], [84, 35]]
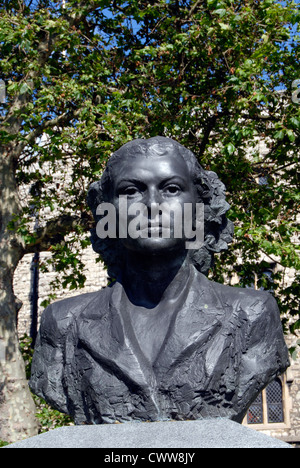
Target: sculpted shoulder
[[57, 317], [254, 303], [264, 334]]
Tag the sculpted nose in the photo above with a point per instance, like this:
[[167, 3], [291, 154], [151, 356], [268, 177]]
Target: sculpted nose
[[152, 197]]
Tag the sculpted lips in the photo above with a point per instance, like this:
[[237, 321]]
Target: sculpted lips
[[156, 226]]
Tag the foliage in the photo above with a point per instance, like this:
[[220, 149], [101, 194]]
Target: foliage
[[48, 417], [3, 444], [85, 77]]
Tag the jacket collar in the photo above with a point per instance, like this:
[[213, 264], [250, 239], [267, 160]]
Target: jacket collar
[[109, 338]]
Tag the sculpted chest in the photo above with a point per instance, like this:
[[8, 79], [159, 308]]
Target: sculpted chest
[[194, 368], [223, 346]]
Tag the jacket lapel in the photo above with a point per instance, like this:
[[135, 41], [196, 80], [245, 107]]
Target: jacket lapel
[[110, 339], [196, 323], [111, 342]]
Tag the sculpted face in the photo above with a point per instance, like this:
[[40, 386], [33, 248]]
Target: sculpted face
[[154, 180]]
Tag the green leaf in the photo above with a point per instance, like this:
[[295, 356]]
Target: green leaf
[[291, 135], [224, 27], [221, 12], [295, 121], [279, 135], [230, 148], [24, 88]]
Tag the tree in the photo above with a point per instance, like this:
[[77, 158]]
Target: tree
[[82, 78]]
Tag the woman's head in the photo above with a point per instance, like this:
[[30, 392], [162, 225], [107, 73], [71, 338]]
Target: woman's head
[[170, 172]]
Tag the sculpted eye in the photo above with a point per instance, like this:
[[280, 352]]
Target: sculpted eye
[[172, 189], [130, 191]]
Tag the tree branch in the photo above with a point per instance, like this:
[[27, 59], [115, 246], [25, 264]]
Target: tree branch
[[259, 117], [194, 7], [56, 122], [210, 126], [56, 229]]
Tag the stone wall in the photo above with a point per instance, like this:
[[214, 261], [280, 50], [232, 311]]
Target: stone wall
[[293, 433], [96, 278], [290, 430]]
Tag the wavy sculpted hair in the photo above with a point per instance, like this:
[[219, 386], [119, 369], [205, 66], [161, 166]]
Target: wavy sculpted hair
[[218, 230]]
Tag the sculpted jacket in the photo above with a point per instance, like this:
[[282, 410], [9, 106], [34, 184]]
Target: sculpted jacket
[[223, 346]]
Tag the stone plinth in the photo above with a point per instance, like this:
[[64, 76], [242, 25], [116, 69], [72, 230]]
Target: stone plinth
[[206, 433]]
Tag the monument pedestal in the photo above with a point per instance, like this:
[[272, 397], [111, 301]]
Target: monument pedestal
[[205, 433]]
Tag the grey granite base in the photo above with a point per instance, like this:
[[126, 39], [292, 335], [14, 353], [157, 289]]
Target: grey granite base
[[207, 433]]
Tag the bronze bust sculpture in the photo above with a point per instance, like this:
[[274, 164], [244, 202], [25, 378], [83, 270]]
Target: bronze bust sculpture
[[161, 341]]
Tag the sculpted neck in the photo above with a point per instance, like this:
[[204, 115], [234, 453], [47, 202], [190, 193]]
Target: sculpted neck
[[151, 279]]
